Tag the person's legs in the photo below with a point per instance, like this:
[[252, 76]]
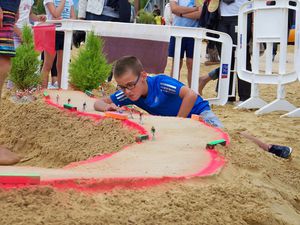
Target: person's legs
[[189, 66], [203, 80], [48, 62], [7, 157], [7, 50], [59, 46], [59, 66], [172, 53], [54, 72], [180, 66], [189, 49], [255, 140], [278, 150], [5, 66]]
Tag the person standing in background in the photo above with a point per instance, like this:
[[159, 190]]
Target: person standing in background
[[229, 10], [8, 16], [186, 15], [56, 9], [105, 10]]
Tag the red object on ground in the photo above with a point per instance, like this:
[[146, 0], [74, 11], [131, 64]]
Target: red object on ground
[[44, 38]]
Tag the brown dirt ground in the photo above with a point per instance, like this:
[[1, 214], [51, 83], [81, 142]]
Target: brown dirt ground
[[255, 187]]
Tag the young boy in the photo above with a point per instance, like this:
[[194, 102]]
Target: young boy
[[8, 12], [158, 95]]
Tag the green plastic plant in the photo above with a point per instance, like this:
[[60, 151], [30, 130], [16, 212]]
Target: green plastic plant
[[90, 69], [25, 66]]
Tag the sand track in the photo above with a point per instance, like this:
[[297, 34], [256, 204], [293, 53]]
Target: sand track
[[178, 150]]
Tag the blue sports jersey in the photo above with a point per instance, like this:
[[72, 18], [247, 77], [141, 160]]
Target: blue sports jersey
[[163, 98]]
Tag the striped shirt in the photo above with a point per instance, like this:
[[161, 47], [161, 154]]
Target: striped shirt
[[66, 13]]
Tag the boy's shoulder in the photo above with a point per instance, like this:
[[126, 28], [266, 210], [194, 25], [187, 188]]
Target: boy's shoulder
[[159, 77]]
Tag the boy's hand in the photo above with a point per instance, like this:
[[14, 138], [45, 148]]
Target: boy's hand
[[111, 107], [1, 17]]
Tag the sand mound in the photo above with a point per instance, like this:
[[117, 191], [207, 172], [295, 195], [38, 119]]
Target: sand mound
[[47, 137], [254, 188]]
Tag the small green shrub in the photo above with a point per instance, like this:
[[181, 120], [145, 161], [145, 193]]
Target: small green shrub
[[90, 69], [38, 7], [25, 66], [145, 17]]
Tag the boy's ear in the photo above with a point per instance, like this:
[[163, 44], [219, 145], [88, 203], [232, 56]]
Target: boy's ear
[[143, 74]]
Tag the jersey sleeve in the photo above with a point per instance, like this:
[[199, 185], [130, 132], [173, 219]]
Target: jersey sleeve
[[120, 99], [170, 86]]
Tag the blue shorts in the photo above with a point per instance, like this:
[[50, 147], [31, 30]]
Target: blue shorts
[[187, 47]]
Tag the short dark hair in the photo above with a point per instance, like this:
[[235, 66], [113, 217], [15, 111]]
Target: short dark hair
[[126, 63]]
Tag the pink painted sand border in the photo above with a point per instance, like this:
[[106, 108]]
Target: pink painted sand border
[[109, 184]]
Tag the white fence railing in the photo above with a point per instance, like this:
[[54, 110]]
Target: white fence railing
[[270, 25], [154, 33]]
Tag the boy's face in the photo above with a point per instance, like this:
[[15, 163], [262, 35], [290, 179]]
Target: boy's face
[[132, 85]]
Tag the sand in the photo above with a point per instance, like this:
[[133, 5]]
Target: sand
[[162, 156], [44, 136], [254, 188]]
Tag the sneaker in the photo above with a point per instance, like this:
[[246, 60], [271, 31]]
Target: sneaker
[[281, 151], [52, 86]]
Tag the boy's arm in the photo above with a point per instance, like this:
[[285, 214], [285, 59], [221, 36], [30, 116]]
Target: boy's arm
[[189, 98], [56, 12], [105, 104], [176, 9]]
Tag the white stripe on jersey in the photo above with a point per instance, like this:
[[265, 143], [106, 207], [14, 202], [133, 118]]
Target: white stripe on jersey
[[168, 85], [121, 96], [119, 93], [168, 90], [122, 99]]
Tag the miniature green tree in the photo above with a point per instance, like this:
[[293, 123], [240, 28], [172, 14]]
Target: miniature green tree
[[25, 66], [90, 69], [145, 17], [38, 7]]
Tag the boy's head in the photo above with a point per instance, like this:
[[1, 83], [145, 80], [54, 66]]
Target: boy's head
[[130, 76]]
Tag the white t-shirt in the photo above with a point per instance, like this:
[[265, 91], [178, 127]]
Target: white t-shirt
[[66, 13], [231, 9], [24, 12], [168, 15]]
